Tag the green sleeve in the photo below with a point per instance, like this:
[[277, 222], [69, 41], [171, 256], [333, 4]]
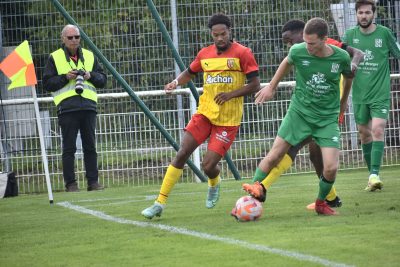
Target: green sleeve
[[290, 56], [394, 46]]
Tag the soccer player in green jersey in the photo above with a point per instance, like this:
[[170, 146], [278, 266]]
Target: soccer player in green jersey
[[292, 33], [371, 87], [314, 107]]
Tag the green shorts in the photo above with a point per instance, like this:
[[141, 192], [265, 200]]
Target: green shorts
[[295, 128], [363, 113]]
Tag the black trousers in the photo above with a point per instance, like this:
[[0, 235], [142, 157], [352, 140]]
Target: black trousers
[[85, 122]]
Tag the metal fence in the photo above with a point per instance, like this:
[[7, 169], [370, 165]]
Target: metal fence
[[131, 151]]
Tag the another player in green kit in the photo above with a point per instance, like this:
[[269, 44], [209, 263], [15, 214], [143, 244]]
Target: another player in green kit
[[371, 86]]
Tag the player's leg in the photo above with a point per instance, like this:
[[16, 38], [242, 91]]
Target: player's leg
[[332, 198], [281, 167], [196, 132], [328, 139], [330, 157], [316, 157], [293, 130], [371, 121], [278, 150], [221, 139], [379, 114], [378, 133], [362, 116]]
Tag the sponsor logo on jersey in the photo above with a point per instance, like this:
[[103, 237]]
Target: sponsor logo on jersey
[[368, 55], [356, 41], [219, 79], [318, 78], [230, 62], [305, 63], [335, 68], [378, 42]]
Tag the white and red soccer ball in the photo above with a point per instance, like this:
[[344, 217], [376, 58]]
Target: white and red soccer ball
[[247, 209]]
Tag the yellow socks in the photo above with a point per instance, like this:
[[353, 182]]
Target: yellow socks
[[214, 181], [332, 194], [276, 172], [171, 177]]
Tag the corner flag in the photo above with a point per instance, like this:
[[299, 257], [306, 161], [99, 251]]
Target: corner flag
[[18, 67]]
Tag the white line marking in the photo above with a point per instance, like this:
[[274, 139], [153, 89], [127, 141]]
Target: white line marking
[[184, 231]]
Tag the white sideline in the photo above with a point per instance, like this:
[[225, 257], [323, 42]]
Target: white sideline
[[184, 231]]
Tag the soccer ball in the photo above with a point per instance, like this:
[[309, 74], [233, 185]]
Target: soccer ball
[[247, 209]]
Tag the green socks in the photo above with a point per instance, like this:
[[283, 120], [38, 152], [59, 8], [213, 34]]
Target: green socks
[[259, 175], [325, 187], [366, 149], [376, 156]]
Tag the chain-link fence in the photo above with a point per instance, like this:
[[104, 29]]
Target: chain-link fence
[[131, 151]]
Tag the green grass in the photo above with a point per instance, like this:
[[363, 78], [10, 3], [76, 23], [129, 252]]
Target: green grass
[[366, 233]]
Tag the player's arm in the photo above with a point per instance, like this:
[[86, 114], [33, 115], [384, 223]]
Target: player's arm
[[182, 78], [394, 46], [347, 81], [267, 93], [357, 57], [250, 88]]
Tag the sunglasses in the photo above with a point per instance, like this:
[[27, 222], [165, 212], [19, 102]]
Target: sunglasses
[[77, 37]]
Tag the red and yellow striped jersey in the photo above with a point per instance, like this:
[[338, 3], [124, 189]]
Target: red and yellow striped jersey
[[223, 73]]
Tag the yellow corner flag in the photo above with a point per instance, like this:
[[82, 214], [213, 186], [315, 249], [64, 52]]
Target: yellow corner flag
[[18, 67]]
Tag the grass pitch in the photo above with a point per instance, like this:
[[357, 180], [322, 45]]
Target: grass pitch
[[106, 228]]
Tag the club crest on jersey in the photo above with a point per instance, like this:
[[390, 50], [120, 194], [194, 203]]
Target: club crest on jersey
[[335, 68], [230, 62], [378, 42]]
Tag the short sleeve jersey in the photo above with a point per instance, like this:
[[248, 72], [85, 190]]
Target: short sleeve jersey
[[223, 73], [317, 94], [372, 80]]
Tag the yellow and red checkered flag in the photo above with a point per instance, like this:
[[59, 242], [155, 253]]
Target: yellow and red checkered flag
[[18, 67]]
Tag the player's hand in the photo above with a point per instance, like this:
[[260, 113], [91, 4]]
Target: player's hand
[[341, 118], [170, 87], [354, 68], [221, 98], [343, 107], [265, 94]]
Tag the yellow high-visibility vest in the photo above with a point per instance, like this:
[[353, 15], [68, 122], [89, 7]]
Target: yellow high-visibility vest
[[63, 67]]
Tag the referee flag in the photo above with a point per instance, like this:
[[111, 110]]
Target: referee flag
[[18, 67]]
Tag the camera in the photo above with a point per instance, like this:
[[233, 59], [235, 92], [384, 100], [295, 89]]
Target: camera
[[79, 81]]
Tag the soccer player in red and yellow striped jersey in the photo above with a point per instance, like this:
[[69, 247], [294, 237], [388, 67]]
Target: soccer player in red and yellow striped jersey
[[226, 66]]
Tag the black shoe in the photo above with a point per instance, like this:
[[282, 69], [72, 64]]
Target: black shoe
[[336, 203], [95, 187], [72, 187]]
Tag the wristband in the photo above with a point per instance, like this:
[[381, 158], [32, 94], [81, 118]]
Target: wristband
[[176, 82]]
